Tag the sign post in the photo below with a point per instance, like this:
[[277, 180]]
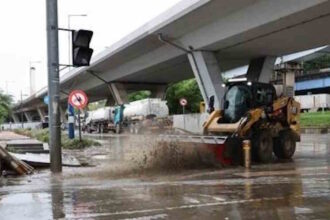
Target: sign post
[[78, 99], [79, 125], [183, 103], [71, 121]]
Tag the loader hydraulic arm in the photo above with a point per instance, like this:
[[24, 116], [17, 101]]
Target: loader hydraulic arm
[[248, 121], [255, 115]]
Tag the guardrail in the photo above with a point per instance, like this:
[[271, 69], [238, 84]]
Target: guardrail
[[11, 126]]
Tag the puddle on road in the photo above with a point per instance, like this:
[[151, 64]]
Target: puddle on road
[[136, 155], [105, 196]]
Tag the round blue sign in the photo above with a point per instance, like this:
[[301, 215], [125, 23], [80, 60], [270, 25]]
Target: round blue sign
[[46, 100]]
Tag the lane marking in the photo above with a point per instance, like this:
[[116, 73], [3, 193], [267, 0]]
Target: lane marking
[[150, 217], [94, 215], [190, 200], [315, 170]]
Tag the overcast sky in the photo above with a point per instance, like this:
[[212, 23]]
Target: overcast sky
[[23, 32]]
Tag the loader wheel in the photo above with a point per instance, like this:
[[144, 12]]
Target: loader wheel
[[262, 147], [284, 145]]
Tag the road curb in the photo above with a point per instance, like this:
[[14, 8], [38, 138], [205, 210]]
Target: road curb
[[312, 130]]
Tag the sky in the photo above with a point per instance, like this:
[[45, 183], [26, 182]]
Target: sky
[[23, 33]]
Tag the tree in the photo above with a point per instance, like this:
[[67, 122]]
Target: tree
[[5, 106], [96, 105], [185, 89], [138, 95]]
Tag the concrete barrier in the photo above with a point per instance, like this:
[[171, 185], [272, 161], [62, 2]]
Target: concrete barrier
[[11, 126], [192, 123], [314, 130]]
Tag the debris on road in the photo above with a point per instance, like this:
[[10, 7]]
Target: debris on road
[[17, 165], [43, 160]]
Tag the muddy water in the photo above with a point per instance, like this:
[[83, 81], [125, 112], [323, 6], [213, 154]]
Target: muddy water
[[135, 155], [297, 189]]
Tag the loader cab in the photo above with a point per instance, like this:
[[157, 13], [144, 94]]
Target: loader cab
[[240, 97]]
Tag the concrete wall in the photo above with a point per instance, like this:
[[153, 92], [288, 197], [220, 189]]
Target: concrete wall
[[314, 101], [192, 123]]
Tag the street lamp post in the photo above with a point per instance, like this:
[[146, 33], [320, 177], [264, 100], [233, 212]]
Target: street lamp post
[[22, 113], [69, 34], [32, 76]]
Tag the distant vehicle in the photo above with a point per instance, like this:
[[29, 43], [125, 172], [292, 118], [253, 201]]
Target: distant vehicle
[[133, 117], [45, 122]]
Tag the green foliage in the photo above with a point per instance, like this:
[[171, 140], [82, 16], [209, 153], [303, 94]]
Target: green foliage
[[43, 136], [5, 106], [73, 144], [135, 96], [96, 105], [315, 119], [318, 63], [185, 89]]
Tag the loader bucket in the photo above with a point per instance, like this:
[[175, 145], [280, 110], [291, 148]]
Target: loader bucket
[[228, 153], [220, 146], [219, 152]]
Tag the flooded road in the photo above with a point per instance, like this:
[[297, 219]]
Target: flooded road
[[124, 184]]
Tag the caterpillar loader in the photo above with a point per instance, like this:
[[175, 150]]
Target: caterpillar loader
[[252, 110]]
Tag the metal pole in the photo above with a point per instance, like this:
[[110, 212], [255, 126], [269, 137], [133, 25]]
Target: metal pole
[[69, 42], [22, 114], [79, 125], [71, 121], [53, 87]]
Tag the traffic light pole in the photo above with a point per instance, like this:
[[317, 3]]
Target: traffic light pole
[[53, 87]]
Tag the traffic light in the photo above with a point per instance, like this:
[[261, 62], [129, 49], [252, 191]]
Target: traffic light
[[81, 53]]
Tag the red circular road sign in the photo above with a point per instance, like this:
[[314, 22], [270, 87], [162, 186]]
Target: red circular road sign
[[183, 102], [78, 99]]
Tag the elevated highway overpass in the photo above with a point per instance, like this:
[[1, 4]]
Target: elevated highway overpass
[[203, 39]]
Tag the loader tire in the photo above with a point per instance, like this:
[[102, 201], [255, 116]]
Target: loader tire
[[285, 145], [262, 147]]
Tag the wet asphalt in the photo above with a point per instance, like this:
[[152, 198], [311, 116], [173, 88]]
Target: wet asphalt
[[296, 189]]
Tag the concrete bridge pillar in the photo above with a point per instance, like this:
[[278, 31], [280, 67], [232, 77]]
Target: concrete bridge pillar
[[261, 69], [28, 116], [208, 76], [118, 92], [159, 91], [42, 114], [15, 118]]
